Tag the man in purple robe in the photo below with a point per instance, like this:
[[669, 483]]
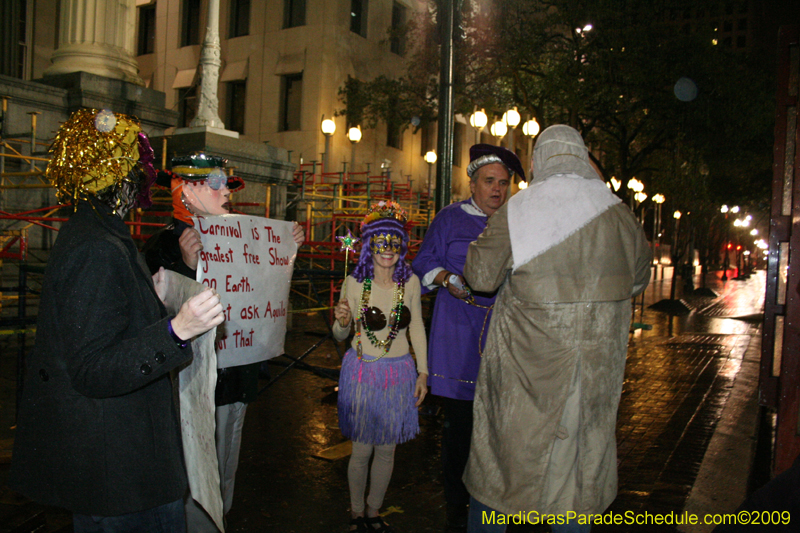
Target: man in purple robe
[[460, 317]]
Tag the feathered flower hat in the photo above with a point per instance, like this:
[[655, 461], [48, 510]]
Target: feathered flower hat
[[386, 210]]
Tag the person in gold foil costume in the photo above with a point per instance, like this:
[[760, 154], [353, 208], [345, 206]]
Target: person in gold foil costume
[[97, 431]]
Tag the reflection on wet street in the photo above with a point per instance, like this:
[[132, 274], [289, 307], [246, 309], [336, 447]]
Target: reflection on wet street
[[676, 386]]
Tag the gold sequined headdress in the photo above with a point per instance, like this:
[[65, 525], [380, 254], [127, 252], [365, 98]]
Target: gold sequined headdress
[[92, 151]]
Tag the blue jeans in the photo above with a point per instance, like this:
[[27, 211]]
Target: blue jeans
[[475, 521], [167, 518]]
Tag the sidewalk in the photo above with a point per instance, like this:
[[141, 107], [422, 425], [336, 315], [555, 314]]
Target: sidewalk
[[677, 389], [687, 415]]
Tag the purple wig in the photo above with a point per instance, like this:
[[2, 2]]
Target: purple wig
[[364, 268]]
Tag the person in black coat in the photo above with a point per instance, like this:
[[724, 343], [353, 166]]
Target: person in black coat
[[98, 431]]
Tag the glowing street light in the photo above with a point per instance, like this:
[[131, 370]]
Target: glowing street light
[[511, 119], [478, 120], [658, 199], [354, 136], [531, 128], [328, 127], [498, 129], [430, 158], [635, 186]]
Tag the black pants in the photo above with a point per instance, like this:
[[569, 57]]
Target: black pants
[[456, 434]]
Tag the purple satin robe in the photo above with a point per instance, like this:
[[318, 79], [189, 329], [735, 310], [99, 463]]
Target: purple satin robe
[[453, 353]]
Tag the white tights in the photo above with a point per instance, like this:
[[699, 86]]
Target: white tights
[[380, 474]]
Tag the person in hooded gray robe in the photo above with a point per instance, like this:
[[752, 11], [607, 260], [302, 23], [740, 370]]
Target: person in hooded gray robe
[[567, 256]]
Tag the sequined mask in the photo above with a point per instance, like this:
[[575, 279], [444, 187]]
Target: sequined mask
[[385, 242]]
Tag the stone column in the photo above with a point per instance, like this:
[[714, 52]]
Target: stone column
[[97, 36], [208, 103]]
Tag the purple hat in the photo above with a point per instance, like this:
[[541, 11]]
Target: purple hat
[[485, 154]]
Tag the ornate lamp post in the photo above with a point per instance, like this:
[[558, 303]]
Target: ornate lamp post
[[478, 120], [635, 186], [354, 136], [725, 262], [658, 199], [498, 129], [677, 217], [530, 129], [328, 127], [512, 119], [430, 158]]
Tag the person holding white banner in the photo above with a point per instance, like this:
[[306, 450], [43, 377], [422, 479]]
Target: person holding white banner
[[378, 383], [201, 186]]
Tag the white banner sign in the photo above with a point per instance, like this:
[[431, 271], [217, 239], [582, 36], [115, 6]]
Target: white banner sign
[[249, 262]]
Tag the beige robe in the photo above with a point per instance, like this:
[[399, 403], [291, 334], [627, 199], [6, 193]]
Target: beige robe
[[551, 376]]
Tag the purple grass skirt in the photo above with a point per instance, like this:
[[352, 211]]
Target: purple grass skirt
[[376, 400]]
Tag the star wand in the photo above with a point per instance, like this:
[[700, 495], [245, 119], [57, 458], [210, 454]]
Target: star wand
[[348, 245]]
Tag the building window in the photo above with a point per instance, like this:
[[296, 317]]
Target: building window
[[398, 37], [394, 137], [14, 38], [240, 18], [147, 30], [294, 13], [190, 22], [459, 133], [187, 106], [358, 17], [291, 102], [236, 93], [425, 139], [741, 41]]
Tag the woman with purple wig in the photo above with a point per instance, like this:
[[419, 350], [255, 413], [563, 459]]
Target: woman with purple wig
[[379, 387]]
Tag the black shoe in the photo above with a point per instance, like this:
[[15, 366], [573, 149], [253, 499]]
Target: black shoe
[[359, 523]]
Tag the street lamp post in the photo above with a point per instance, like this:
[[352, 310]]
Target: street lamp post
[[354, 136], [724, 210], [530, 129], [635, 186], [512, 120], [499, 129], [740, 223], [328, 127], [658, 199], [673, 252], [430, 158], [640, 197], [478, 120]]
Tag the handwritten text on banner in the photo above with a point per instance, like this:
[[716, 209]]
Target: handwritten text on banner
[[249, 261]]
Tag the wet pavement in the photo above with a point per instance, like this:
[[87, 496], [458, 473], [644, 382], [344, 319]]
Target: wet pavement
[[679, 377]]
